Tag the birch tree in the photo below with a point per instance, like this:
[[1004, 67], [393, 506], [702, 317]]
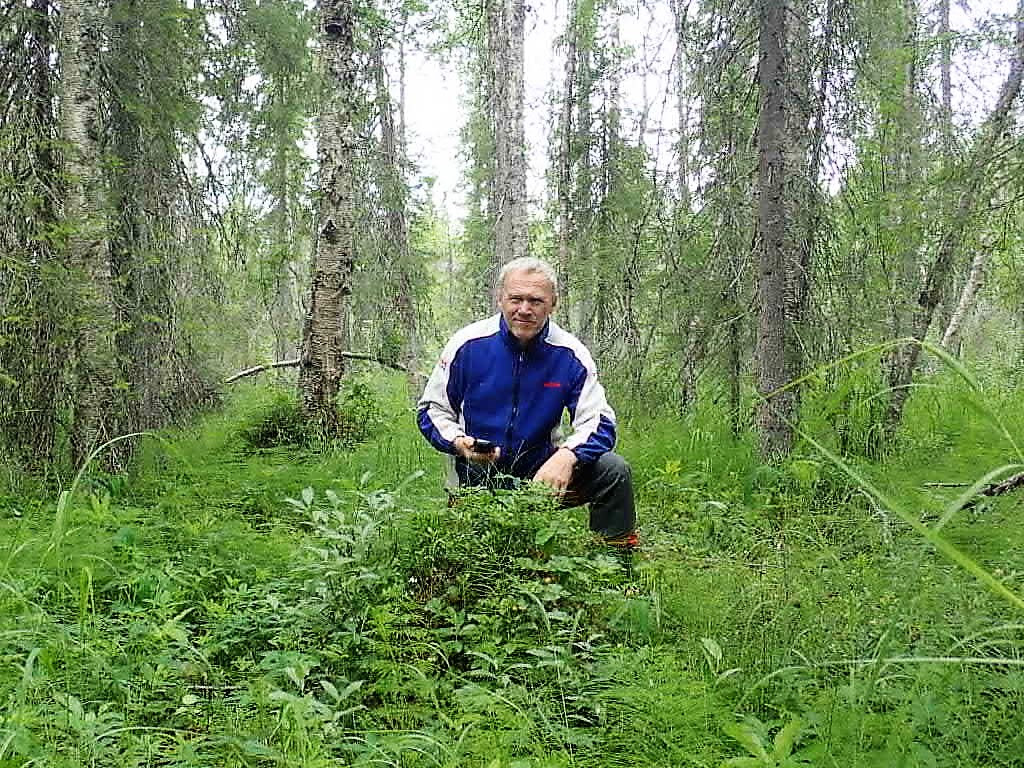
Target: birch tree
[[321, 364], [973, 178], [87, 243]]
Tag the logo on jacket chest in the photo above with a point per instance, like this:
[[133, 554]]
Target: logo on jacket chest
[[552, 385]]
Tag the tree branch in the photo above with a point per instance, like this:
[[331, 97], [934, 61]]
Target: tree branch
[[294, 363]]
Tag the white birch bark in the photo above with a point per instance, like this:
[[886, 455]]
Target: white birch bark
[[322, 364], [87, 245], [968, 297]]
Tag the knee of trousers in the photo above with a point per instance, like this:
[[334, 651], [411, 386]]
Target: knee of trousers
[[614, 466]]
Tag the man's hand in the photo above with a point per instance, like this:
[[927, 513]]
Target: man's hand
[[464, 447], [557, 471]]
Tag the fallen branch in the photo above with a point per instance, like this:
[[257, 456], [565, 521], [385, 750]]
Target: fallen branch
[[1009, 484], [295, 362], [1012, 483]]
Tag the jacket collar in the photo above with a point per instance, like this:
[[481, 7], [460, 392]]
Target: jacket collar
[[506, 334]]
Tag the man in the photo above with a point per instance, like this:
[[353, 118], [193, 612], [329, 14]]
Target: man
[[496, 397]]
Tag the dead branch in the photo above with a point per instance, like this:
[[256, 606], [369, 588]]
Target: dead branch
[[1012, 483], [1009, 484], [295, 362]]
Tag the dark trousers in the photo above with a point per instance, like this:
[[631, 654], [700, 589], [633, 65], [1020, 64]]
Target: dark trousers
[[606, 485]]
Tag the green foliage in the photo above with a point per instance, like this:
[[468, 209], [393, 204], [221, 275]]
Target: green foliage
[[849, 405], [229, 607], [276, 419]]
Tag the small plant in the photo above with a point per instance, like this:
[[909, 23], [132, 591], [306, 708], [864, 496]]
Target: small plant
[[767, 752], [359, 412]]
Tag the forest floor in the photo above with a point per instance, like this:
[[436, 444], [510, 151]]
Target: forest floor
[[230, 605]]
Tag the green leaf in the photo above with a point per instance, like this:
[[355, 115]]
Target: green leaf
[[350, 689], [786, 738], [747, 734], [712, 649], [332, 691], [307, 496], [295, 677]]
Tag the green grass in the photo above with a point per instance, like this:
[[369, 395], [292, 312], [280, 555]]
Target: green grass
[[208, 610]]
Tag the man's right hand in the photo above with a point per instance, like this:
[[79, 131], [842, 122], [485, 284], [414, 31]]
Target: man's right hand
[[464, 447]]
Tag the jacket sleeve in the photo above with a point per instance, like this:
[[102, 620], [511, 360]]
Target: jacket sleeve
[[439, 409], [593, 420]]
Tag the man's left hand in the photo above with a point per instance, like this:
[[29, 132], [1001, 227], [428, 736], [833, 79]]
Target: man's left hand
[[557, 471]]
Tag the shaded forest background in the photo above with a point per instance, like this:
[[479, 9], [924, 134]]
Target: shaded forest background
[[193, 188]]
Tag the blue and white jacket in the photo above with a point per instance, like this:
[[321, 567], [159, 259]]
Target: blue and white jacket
[[486, 385]]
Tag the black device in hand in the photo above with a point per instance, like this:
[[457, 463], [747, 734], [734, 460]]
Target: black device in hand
[[483, 446]]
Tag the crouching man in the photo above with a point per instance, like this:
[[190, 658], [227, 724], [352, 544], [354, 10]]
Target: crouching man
[[496, 397]]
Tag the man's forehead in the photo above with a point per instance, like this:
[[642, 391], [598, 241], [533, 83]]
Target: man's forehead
[[522, 280]]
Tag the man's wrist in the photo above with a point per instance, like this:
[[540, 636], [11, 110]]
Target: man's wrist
[[571, 452]]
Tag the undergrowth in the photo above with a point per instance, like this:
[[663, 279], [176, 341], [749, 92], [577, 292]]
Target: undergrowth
[[314, 605], [274, 419]]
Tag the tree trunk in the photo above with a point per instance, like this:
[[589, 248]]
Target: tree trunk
[[945, 78], [968, 297], [903, 182], [322, 365], [801, 180], [565, 130], [582, 281], [974, 176], [35, 419], [394, 198], [506, 23], [146, 229], [88, 255], [680, 9], [777, 410], [401, 82], [693, 347]]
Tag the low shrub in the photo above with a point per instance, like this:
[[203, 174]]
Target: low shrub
[[278, 421]]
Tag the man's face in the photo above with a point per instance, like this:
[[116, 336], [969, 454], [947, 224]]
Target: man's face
[[525, 301]]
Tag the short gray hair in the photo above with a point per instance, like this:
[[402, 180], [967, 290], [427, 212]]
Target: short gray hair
[[527, 264]]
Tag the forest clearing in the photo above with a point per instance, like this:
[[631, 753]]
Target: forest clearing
[[318, 317], [233, 603]]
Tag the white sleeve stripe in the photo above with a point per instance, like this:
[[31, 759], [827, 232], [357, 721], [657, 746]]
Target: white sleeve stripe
[[592, 403], [435, 400]]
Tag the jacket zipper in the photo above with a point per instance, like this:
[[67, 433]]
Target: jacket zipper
[[520, 358]]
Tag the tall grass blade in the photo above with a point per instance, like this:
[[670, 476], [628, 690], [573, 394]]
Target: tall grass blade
[[932, 536], [973, 492], [60, 519]]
